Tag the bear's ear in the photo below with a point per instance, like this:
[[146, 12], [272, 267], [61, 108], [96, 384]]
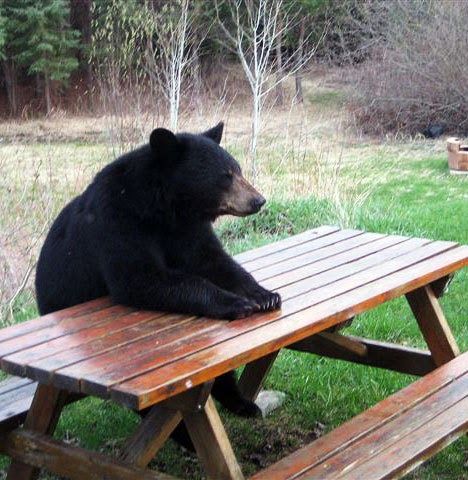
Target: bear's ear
[[164, 145], [215, 133]]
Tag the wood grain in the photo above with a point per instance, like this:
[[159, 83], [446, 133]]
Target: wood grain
[[212, 444], [433, 324], [41, 451], [343, 438], [263, 339]]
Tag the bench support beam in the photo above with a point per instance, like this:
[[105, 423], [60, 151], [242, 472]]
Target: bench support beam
[[42, 417], [251, 380], [433, 324], [378, 354], [42, 451], [212, 444]]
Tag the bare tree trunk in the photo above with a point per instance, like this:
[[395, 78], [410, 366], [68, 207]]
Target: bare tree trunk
[[300, 54], [256, 117], [47, 93], [279, 67], [9, 71]]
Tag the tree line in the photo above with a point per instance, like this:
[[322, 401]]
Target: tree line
[[49, 46]]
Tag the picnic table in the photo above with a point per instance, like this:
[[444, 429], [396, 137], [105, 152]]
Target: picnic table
[[168, 362]]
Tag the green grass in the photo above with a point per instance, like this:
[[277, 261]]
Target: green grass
[[418, 197]]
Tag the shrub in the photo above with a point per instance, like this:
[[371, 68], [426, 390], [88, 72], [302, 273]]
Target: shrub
[[417, 74]]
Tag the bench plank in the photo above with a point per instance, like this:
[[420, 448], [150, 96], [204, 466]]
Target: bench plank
[[300, 463]]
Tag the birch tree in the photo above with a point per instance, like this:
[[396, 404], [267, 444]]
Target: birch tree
[[169, 57], [252, 30]]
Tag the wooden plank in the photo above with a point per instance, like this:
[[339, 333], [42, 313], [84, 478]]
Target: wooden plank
[[365, 423], [42, 417], [150, 436], [363, 268], [42, 451], [421, 444], [344, 343], [24, 391], [336, 254], [315, 245], [253, 375], [433, 324], [212, 444], [390, 356], [391, 432], [88, 342], [321, 265], [12, 383], [55, 318], [288, 242], [99, 374], [15, 415], [268, 336], [64, 327], [152, 349]]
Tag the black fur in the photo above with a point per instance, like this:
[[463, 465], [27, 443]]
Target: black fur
[[142, 233]]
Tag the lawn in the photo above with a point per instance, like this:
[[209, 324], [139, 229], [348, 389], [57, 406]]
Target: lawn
[[399, 187]]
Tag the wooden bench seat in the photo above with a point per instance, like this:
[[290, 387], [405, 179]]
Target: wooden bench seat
[[391, 438], [16, 395]]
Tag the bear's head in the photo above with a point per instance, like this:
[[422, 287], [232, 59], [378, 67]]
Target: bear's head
[[202, 178]]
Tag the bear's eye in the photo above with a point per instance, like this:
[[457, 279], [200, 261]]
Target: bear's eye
[[228, 175]]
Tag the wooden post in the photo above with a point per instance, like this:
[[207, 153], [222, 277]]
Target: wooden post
[[212, 443], [254, 374], [433, 324], [150, 435], [42, 417]]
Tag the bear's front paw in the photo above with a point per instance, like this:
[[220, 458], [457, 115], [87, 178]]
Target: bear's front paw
[[266, 300], [238, 307]]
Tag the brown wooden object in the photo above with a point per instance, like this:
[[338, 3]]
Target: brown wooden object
[[391, 438], [75, 463], [457, 155]]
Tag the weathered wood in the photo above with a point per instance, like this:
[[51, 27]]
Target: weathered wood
[[390, 433], [289, 242], [98, 379], [344, 343], [272, 331], [441, 285], [378, 354], [42, 417], [253, 375], [53, 319], [150, 436], [384, 424], [433, 325], [41, 451], [212, 444]]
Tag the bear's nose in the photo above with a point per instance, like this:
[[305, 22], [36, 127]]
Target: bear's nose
[[257, 203]]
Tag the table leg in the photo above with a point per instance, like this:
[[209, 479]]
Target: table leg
[[42, 417], [433, 324], [212, 444], [150, 436], [254, 374]]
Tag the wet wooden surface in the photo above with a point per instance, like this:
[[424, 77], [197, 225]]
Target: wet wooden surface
[[391, 438], [139, 358]]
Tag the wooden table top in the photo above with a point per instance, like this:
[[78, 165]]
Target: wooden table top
[[138, 358]]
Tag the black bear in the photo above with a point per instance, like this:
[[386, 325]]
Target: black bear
[[142, 233]]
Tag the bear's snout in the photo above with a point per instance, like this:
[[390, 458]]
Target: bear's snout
[[241, 199], [257, 203]]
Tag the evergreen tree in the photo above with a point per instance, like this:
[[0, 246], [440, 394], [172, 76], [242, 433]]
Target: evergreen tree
[[44, 41], [3, 33]]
